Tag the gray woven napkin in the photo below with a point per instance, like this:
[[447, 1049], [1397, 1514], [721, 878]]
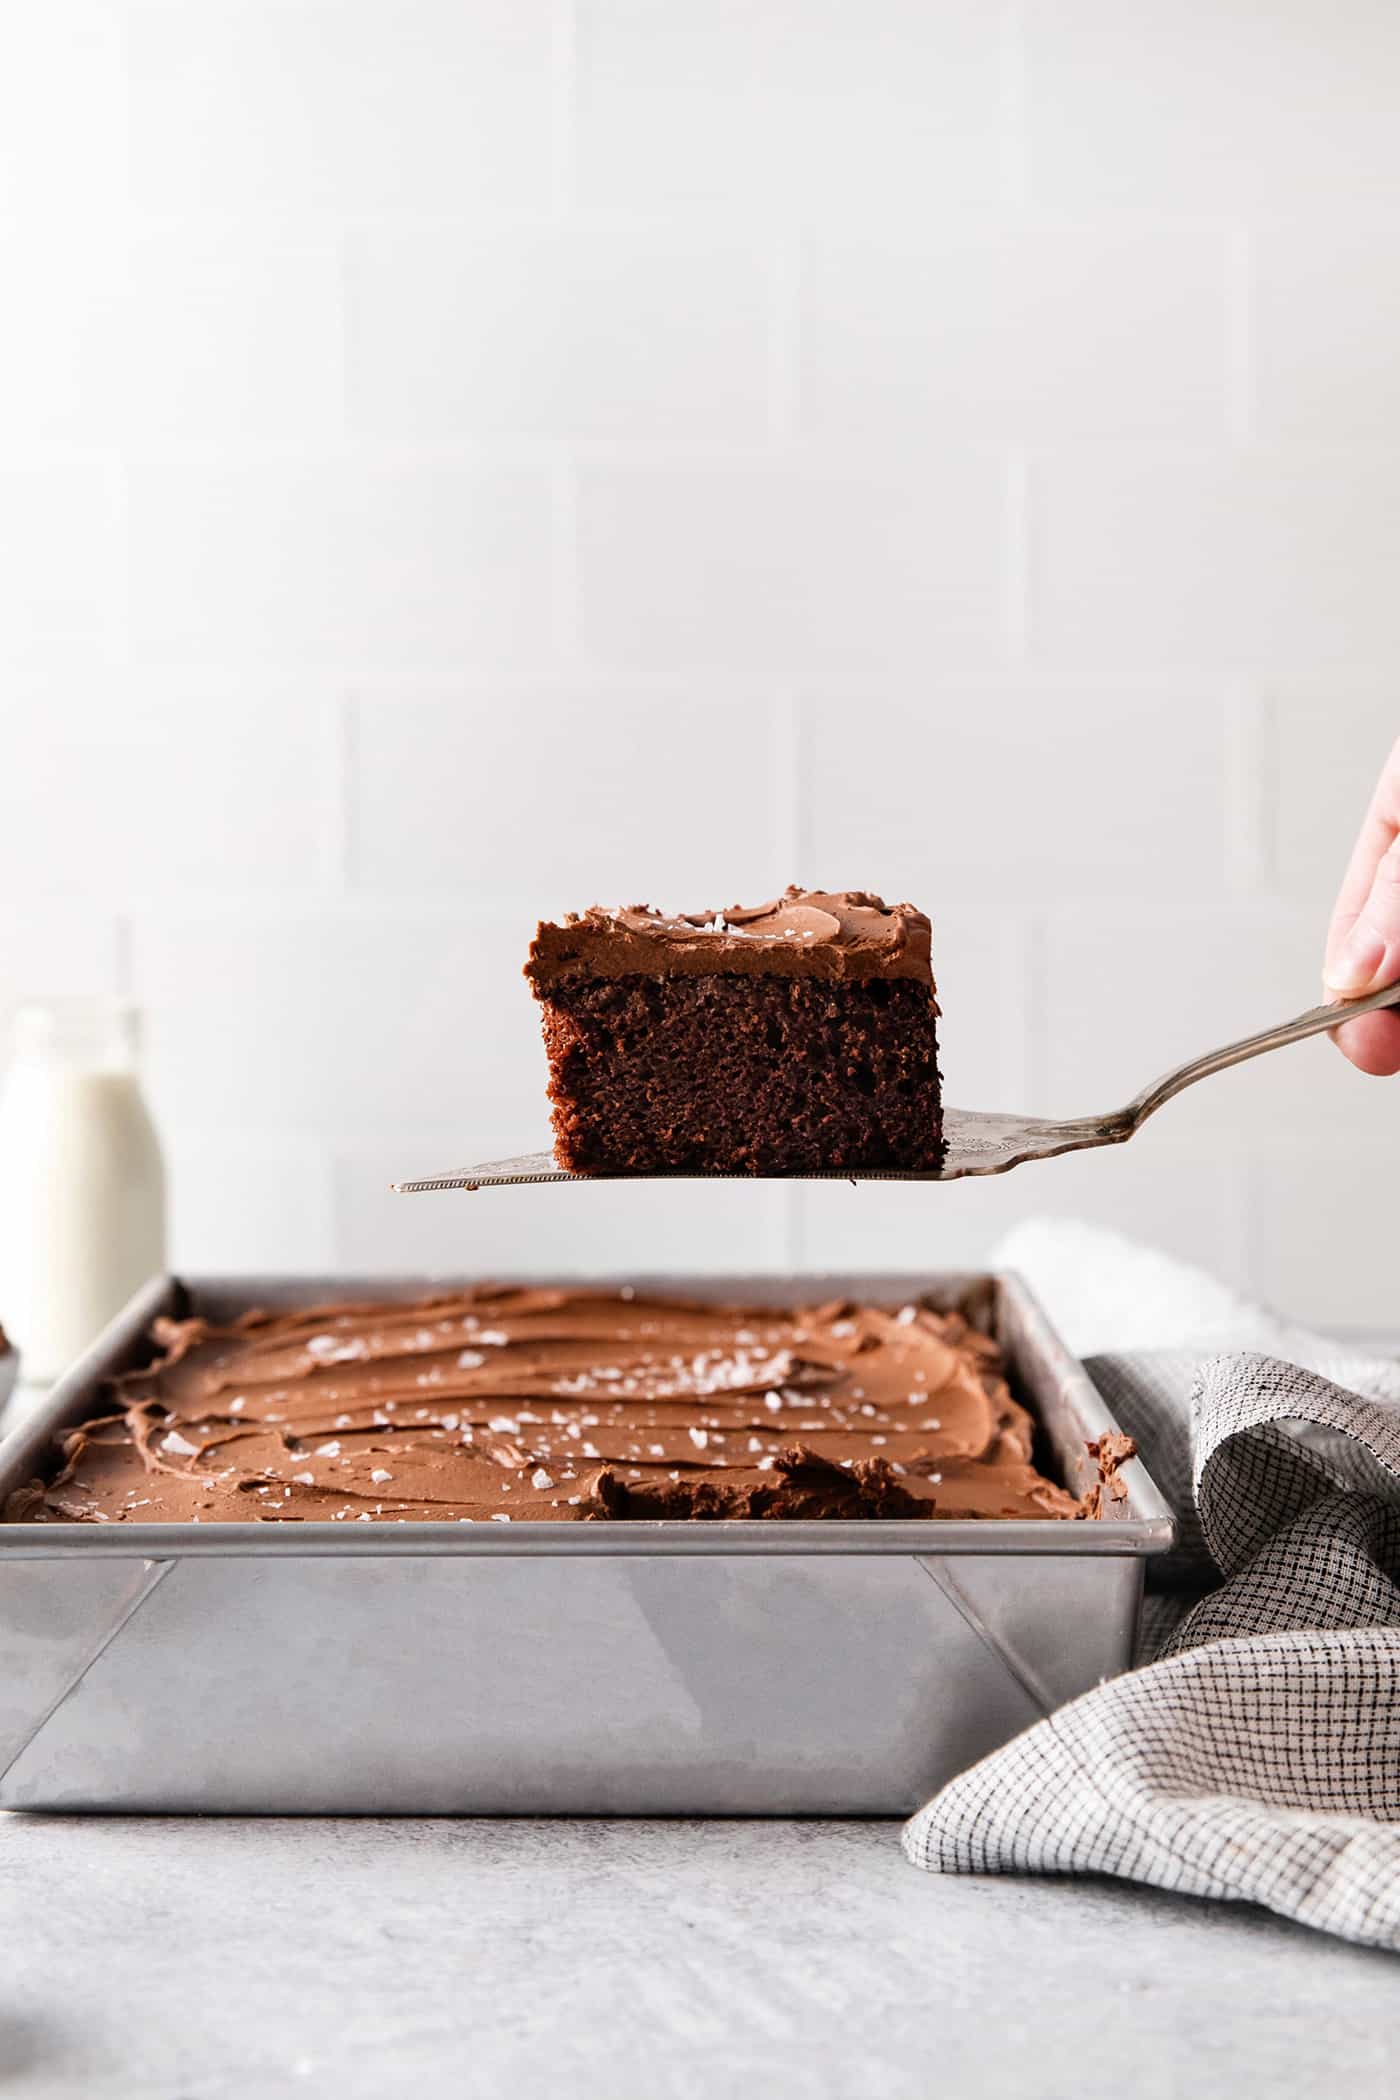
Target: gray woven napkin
[[1256, 1754]]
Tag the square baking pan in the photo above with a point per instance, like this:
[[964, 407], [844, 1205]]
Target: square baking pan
[[737, 1668]]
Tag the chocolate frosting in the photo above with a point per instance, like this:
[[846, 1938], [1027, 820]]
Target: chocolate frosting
[[519, 1404], [808, 933]]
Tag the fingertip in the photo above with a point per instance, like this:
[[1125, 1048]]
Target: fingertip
[[1358, 965], [1371, 1043]]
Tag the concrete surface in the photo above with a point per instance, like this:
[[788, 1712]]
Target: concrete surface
[[171, 1960]]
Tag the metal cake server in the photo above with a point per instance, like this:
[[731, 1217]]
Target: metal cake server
[[977, 1141]]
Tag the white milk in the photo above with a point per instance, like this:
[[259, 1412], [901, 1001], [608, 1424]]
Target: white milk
[[82, 1187]]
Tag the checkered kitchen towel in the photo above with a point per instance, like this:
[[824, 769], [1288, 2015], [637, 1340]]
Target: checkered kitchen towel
[[1256, 1753]]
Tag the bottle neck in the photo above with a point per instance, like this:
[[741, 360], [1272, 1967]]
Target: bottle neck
[[80, 1035]]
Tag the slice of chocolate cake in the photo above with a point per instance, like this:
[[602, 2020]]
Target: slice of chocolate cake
[[786, 1038]]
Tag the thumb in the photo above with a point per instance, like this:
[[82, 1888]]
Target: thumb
[[1368, 957]]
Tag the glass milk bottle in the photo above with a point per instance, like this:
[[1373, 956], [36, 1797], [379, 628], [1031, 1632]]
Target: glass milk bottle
[[82, 1186]]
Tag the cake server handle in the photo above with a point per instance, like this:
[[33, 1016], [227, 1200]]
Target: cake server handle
[[1313, 1022], [978, 1142]]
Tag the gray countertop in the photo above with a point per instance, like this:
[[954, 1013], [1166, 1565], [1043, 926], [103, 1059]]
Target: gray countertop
[[179, 1960]]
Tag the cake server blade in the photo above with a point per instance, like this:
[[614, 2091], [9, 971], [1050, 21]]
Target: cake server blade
[[976, 1141]]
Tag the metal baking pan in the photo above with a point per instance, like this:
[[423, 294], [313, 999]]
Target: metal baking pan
[[630, 1669]]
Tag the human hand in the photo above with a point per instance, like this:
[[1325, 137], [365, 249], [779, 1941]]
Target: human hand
[[1363, 940]]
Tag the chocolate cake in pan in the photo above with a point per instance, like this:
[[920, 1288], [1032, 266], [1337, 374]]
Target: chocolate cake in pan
[[551, 1403], [798, 1036]]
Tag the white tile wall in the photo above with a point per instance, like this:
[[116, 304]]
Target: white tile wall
[[64, 80], [933, 790], [229, 334], [533, 1231], [329, 107], [456, 461], [1268, 560], [1019, 325], [1127, 989], [559, 331], [812, 102], [1327, 295], [1326, 749], [60, 560], [1186, 1197], [516, 803], [249, 1203], [338, 1019], [1300, 1198], [64, 303], [57, 946], [328, 561], [1247, 106], [793, 566], [184, 785]]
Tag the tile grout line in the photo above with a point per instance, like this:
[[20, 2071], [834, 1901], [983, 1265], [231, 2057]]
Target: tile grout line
[[564, 580], [124, 956], [784, 337], [1016, 577], [785, 730], [349, 247], [563, 87], [116, 610], [1251, 790], [341, 842], [1028, 957], [1240, 349], [1013, 143], [116, 627]]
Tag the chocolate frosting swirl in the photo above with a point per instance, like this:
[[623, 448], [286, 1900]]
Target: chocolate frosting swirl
[[520, 1404], [817, 933]]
